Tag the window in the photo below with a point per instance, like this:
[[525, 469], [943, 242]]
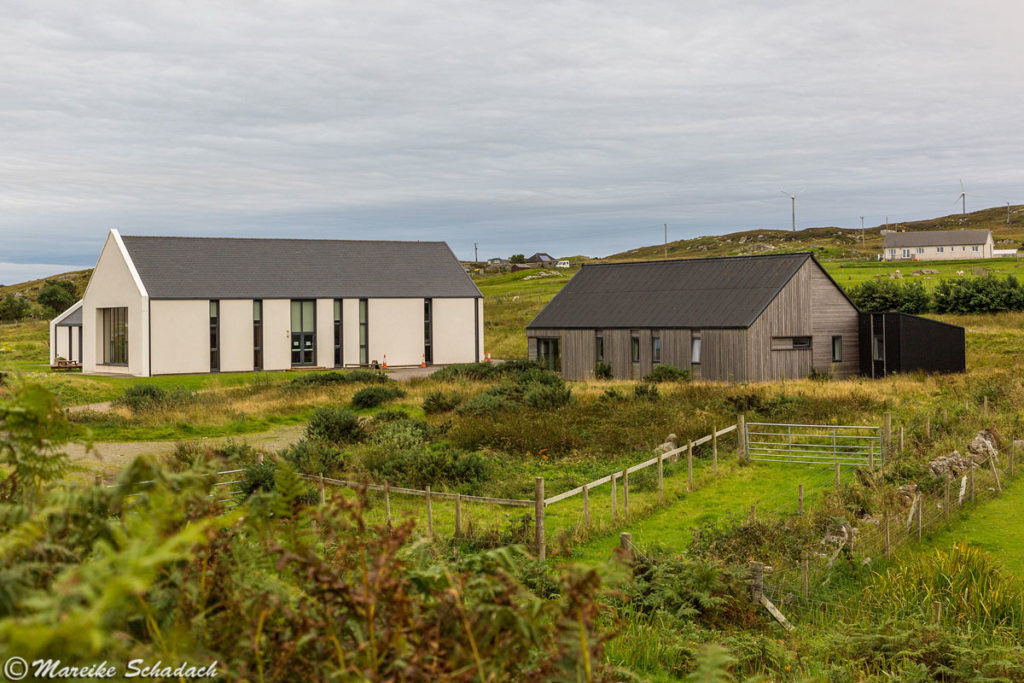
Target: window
[[303, 332], [338, 360], [939, 249], [115, 336], [548, 353], [634, 349], [214, 336], [655, 349], [428, 331], [695, 351], [364, 331], [920, 250], [892, 252], [837, 349], [974, 248], [790, 343], [801, 342], [257, 335], [878, 348], [599, 349], [906, 253]]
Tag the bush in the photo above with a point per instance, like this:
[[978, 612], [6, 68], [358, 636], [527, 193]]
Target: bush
[[144, 397], [401, 435], [57, 295], [438, 465], [390, 416], [547, 396], [979, 295], [518, 370], [487, 403], [371, 397], [646, 392], [314, 456], [603, 371], [667, 373], [326, 379], [891, 295], [611, 394], [335, 425], [259, 476], [441, 402], [13, 308]]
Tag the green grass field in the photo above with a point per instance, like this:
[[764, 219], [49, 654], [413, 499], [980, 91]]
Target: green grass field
[[995, 528]]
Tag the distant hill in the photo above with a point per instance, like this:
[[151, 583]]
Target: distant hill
[[31, 288], [831, 243]]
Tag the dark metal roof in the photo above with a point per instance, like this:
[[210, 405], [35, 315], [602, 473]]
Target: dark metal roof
[[540, 257], [74, 319], [244, 268], [695, 293], [934, 238]]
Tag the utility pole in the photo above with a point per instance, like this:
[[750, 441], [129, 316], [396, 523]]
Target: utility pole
[[666, 236], [1007, 213], [793, 198], [862, 230], [476, 258]]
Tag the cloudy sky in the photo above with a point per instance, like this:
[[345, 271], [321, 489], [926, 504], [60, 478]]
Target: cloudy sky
[[568, 127]]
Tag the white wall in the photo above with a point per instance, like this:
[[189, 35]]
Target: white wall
[[64, 343], [113, 285], [454, 340], [325, 333], [181, 336], [277, 334], [957, 252], [396, 331], [236, 347], [480, 329]]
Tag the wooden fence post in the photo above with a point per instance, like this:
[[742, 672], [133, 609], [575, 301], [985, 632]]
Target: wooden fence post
[[741, 437], [430, 514], [458, 515], [323, 491], [984, 405], [625, 494], [945, 504], [920, 509], [901, 439], [871, 456], [387, 503], [800, 497], [970, 480], [936, 612], [626, 543], [753, 513], [804, 578], [756, 581], [928, 427], [586, 506], [615, 501], [661, 477], [839, 481], [538, 492], [888, 545], [714, 451], [886, 435], [689, 467]]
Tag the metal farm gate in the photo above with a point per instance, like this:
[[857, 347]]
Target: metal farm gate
[[813, 444]]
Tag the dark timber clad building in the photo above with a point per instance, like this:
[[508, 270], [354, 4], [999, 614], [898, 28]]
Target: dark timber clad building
[[746, 318]]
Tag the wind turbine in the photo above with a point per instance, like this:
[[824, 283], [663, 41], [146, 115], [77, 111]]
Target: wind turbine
[[792, 198], [962, 198]]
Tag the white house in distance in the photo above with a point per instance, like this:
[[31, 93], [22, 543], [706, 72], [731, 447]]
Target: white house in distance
[[66, 335], [174, 305], [937, 245]]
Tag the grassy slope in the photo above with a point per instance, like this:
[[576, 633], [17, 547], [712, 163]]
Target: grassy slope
[[32, 287], [995, 528]]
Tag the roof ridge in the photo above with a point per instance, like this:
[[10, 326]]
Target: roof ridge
[[279, 239], [703, 258]]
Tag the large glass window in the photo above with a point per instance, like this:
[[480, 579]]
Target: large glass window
[[599, 349], [214, 336], [257, 334], [338, 361], [428, 331], [115, 336], [655, 349], [837, 349], [549, 354], [634, 349], [364, 332], [303, 332], [695, 351]]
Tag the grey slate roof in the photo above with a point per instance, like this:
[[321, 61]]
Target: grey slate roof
[[74, 319], [246, 268], [696, 293], [934, 238]]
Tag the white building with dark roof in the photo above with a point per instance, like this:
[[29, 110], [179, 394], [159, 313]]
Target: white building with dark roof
[[937, 245], [173, 305]]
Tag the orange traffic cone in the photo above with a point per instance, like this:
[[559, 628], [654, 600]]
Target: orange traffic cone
[[423, 363], [385, 361], [488, 358]]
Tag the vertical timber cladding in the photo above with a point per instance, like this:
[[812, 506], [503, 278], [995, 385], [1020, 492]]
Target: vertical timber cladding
[[832, 315], [788, 315]]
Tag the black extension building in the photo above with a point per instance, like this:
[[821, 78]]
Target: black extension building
[[900, 342]]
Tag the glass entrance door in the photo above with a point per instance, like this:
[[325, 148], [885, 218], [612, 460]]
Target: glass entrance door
[[303, 332]]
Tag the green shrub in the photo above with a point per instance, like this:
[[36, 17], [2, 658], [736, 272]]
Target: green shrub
[[667, 373], [986, 294], [441, 402], [646, 392], [391, 415], [488, 403], [612, 394], [326, 379], [891, 295], [259, 476], [314, 456], [371, 397], [483, 372], [437, 465], [335, 425], [603, 371], [547, 396], [145, 397], [401, 435]]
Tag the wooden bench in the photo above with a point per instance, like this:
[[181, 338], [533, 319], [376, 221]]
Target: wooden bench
[[64, 364]]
